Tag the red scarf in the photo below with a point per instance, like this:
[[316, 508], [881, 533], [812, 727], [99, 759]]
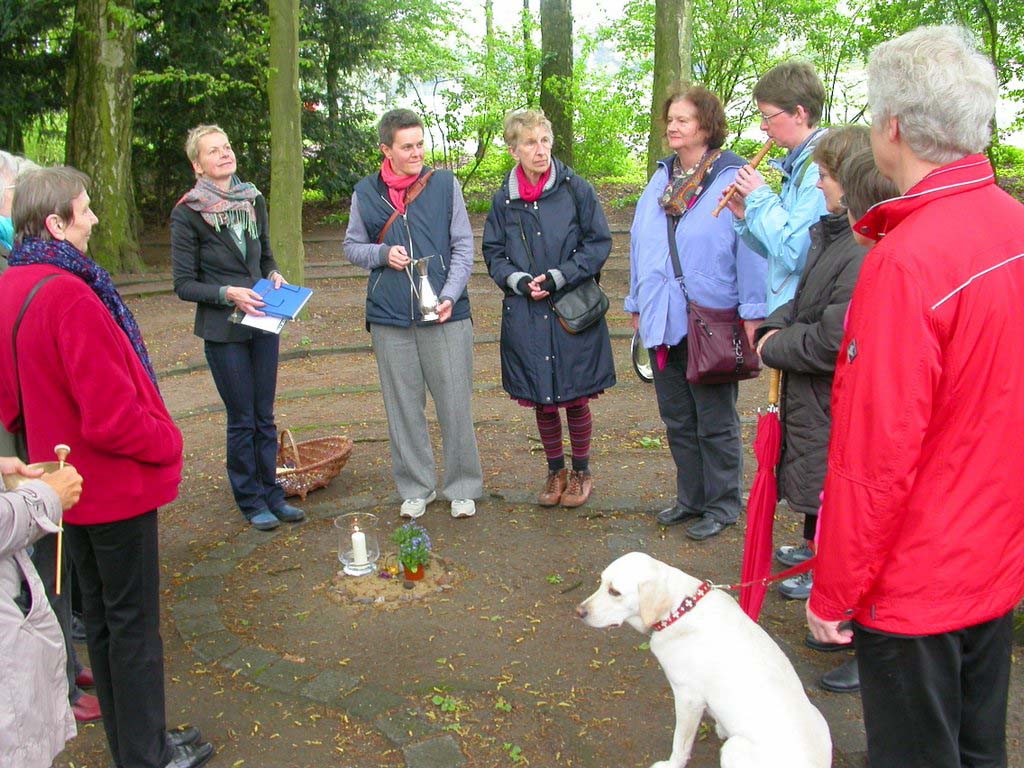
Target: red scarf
[[397, 184], [531, 192]]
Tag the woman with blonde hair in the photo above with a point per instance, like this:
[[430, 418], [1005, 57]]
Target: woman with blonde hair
[[546, 235], [220, 248]]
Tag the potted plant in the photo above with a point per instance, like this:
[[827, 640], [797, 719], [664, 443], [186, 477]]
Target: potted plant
[[413, 549]]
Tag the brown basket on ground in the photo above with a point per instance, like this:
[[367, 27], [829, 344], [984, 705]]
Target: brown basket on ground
[[306, 466]]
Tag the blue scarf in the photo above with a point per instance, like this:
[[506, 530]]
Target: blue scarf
[[59, 253]]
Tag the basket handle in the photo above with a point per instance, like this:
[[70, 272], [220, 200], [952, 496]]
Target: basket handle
[[287, 434]]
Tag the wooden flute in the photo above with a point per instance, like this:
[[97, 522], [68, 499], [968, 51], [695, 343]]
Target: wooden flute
[[732, 187]]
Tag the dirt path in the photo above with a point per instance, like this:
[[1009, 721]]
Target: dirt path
[[489, 668]]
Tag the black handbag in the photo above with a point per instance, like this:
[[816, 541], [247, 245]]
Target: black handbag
[[717, 350], [580, 307]]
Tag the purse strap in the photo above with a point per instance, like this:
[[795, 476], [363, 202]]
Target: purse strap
[[414, 191], [672, 222], [14, 350]]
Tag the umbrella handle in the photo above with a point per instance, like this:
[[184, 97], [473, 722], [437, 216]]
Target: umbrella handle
[[774, 377]]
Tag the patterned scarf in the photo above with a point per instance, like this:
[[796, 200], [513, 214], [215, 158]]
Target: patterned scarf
[[684, 187], [224, 207], [62, 254]]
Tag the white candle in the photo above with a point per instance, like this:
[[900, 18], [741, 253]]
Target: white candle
[[359, 548]]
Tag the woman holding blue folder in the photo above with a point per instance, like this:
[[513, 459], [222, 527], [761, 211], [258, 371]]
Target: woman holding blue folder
[[220, 248]]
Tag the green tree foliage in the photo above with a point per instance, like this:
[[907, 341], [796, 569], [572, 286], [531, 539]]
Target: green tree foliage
[[199, 61], [339, 42], [33, 59], [998, 24], [734, 42]]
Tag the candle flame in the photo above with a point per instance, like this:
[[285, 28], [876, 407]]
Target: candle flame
[[355, 528]]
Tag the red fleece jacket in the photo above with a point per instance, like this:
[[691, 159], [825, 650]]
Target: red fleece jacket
[[82, 384], [922, 527]]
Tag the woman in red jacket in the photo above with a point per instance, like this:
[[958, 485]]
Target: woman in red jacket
[[80, 374]]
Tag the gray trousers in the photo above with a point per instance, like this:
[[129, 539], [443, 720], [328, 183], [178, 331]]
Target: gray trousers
[[703, 430], [410, 361]]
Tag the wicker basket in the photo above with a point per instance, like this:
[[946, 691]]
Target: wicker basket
[[304, 467]]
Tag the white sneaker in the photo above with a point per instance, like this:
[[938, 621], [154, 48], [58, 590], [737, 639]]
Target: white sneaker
[[463, 507], [413, 508]]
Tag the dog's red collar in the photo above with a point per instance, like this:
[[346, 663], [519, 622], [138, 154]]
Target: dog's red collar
[[684, 607]]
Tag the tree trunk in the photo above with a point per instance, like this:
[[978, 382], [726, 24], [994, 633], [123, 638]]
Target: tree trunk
[[285, 140], [556, 73], [99, 135], [673, 43], [529, 58]]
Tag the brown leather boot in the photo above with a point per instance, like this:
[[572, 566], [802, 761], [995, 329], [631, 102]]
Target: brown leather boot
[[577, 491], [553, 488]]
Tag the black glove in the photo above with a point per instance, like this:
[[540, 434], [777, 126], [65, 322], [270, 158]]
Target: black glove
[[523, 286], [548, 284]]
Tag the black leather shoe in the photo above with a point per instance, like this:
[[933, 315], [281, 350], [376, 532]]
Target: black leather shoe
[[817, 645], [675, 514], [705, 528], [191, 755], [179, 737], [286, 513], [843, 679]]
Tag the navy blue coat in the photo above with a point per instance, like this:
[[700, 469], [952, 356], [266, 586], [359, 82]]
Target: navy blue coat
[[566, 230]]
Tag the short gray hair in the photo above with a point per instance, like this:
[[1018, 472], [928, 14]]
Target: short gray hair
[[12, 166], [939, 87], [43, 192]]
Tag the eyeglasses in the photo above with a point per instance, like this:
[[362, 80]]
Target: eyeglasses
[[768, 118]]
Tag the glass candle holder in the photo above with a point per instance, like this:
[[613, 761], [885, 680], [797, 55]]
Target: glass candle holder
[[358, 545]]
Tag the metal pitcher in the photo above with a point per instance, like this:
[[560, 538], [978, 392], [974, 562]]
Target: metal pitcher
[[427, 296]]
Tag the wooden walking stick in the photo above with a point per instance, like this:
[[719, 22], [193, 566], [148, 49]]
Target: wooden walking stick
[[62, 452], [732, 187]]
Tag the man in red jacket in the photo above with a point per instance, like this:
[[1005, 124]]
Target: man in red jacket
[[921, 543], [74, 369]]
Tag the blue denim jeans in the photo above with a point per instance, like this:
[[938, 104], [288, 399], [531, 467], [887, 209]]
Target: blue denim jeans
[[245, 373]]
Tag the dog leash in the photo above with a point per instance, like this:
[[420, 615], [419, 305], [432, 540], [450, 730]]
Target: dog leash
[[796, 570]]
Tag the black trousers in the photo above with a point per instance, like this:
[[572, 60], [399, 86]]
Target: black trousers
[[119, 572], [937, 701], [44, 558], [703, 431], [245, 373]]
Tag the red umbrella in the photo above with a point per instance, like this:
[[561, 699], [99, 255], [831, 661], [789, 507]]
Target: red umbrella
[[757, 548]]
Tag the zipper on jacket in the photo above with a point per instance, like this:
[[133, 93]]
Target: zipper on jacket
[[409, 271], [376, 282]]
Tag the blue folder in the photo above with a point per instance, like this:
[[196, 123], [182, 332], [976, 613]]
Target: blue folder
[[286, 301]]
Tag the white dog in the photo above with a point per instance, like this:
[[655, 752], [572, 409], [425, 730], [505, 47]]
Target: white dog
[[715, 658]]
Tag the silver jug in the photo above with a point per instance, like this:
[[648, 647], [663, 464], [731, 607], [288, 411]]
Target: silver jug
[[427, 296]]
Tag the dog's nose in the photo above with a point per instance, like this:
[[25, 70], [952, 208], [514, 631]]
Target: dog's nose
[[581, 612]]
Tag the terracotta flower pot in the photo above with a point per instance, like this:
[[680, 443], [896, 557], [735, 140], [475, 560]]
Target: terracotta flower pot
[[414, 575]]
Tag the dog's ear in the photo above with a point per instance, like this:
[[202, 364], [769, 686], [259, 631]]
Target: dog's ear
[[655, 601]]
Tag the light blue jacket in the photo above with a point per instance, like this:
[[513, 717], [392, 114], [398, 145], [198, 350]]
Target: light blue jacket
[[718, 268], [777, 225]]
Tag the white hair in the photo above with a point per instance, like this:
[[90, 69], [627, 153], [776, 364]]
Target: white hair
[[939, 87], [12, 166]]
